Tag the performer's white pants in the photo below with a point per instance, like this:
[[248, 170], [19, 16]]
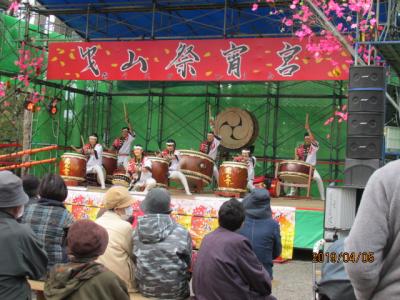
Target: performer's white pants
[[148, 184], [317, 178], [123, 161], [215, 173], [182, 178], [250, 185], [99, 171]]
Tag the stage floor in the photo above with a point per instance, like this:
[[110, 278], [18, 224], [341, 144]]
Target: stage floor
[[298, 202]]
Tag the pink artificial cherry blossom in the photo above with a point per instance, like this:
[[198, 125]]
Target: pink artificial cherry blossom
[[2, 89], [14, 6]]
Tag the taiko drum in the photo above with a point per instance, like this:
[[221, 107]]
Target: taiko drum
[[73, 168], [159, 170], [109, 164], [232, 177], [196, 166], [294, 171]]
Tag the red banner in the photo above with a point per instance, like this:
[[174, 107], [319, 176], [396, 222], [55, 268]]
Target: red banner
[[258, 59]]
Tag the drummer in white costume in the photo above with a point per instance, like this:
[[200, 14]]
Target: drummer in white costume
[[174, 157], [94, 152], [123, 145], [210, 147], [140, 170], [308, 152]]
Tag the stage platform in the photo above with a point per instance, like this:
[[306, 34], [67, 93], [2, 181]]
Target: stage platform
[[301, 220]]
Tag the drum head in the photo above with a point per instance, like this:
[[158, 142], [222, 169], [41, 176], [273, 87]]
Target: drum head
[[237, 128]]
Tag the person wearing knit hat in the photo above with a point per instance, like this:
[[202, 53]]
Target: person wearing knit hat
[[83, 277], [157, 201], [162, 250], [22, 254], [260, 228], [118, 255]]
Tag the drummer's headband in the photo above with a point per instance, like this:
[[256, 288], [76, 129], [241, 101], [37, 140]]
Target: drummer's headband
[[93, 136], [170, 144], [138, 148], [245, 151]]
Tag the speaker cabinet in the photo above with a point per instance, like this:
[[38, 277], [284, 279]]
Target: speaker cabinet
[[364, 147], [366, 124], [367, 77], [366, 101], [358, 171], [340, 208]]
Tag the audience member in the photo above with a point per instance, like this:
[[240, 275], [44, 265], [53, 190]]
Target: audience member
[[162, 250], [22, 255], [118, 255], [31, 187], [49, 218], [260, 228], [374, 241], [226, 266], [83, 277], [335, 283]]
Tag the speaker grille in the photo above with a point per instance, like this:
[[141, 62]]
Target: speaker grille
[[366, 100], [367, 77], [363, 147], [365, 124]]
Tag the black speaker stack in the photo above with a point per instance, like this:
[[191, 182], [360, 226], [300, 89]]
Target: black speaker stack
[[365, 124]]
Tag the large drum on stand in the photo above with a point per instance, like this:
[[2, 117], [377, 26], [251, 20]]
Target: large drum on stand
[[159, 170], [109, 164], [197, 167], [73, 168], [295, 171], [232, 177]]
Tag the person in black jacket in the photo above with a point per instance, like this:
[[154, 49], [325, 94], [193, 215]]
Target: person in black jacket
[[22, 255]]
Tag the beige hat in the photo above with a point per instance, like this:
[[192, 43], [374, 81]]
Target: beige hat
[[117, 197]]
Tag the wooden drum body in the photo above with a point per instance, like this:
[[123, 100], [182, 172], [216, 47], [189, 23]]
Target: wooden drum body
[[232, 177], [294, 171], [159, 170], [197, 167], [120, 178], [109, 164], [73, 168]]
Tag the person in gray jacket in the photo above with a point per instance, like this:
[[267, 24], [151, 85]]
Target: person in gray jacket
[[374, 240], [22, 255], [162, 250]]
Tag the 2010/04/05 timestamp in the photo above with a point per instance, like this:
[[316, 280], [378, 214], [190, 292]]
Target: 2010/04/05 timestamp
[[345, 257]]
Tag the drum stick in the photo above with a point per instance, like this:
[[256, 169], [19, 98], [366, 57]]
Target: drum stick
[[307, 118], [126, 114], [83, 141], [209, 112]]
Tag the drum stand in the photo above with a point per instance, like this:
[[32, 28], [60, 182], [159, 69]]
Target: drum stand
[[297, 185]]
